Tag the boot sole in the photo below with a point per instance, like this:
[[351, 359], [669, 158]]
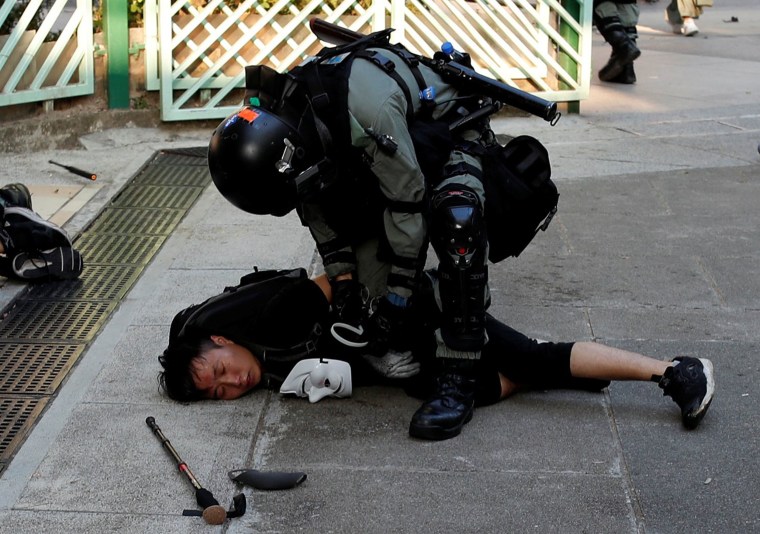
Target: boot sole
[[692, 419], [438, 433]]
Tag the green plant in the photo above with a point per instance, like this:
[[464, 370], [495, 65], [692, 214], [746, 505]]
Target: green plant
[[140, 102], [134, 13]]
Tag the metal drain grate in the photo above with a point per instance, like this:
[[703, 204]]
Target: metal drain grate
[[176, 174], [15, 414], [47, 329], [132, 221], [183, 156], [98, 282], [35, 367], [60, 321], [157, 196], [116, 248]]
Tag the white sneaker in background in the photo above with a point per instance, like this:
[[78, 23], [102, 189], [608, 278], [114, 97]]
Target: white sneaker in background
[[689, 28]]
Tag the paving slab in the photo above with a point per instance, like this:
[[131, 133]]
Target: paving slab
[[654, 250]]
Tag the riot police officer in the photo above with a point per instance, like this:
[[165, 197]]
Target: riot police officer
[[359, 143]]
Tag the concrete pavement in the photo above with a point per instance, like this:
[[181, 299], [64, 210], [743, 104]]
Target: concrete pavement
[[655, 249]]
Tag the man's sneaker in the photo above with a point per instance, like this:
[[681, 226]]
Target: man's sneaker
[[15, 195], [61, 263], [691, 385], [447, 411], [24, 230], [676, 28], [689, 28]]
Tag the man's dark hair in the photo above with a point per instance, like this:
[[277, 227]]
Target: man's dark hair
[[177, 380]]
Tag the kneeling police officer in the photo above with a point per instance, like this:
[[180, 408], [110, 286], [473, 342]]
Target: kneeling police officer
[[358, 141]]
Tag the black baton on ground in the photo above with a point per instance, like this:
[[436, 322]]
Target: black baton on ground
[[75, 170]]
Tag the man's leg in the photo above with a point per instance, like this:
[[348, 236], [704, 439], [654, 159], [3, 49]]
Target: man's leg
[[608, 20], [458, 235], [673, 16], [594, 360], [629, 18], [688, 381]]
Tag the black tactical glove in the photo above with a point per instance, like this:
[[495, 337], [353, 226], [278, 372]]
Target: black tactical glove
[[347, 301], [390, 328]]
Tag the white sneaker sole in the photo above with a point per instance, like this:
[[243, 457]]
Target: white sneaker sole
[[62, 263], [689, 31], [710, 391], [692, 420]]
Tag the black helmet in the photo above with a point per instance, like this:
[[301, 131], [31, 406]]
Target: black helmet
[[255, 155]]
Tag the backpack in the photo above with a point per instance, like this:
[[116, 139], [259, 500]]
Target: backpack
[[243, 308]]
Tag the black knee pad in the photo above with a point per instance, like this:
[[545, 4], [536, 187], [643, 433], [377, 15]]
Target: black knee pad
[[458, 228], [458, 235]]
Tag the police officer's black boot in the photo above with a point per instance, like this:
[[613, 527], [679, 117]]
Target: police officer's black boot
[[449, 408], [628, 76], [624, 49]]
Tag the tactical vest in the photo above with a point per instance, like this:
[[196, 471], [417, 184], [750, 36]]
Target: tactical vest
[[352, 202], [521, 199]]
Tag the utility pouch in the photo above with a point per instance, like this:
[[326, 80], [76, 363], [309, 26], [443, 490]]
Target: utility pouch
[[267, 85], [521, 199]]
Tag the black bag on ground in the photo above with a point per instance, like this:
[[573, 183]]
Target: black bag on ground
[[243, 307], [521, 199]]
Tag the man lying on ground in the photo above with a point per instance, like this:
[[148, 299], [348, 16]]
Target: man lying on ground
[[253, 335]]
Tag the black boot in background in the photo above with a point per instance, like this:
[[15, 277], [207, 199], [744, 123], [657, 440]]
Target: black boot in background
[[624, 49], [628, 76]]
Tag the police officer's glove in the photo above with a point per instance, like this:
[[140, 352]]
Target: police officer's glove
[[347, 301], [389, 328], [394, 364]]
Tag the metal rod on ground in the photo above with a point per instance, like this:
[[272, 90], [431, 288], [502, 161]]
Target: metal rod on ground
[[213, 512]]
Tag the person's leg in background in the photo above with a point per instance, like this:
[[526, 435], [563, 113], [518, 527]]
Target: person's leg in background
[[616, 21], [681, 14]]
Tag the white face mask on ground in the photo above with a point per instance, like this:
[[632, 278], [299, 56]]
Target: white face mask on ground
[[318, 378]]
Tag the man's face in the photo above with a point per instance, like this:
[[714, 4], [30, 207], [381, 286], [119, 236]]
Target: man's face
[[227, 371]]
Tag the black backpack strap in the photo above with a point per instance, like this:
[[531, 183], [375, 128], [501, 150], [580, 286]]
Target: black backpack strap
[[427, 100], [291, 354]]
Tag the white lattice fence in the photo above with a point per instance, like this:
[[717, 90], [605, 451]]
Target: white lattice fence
[[48, 53], [197, 50], [512, 41]]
